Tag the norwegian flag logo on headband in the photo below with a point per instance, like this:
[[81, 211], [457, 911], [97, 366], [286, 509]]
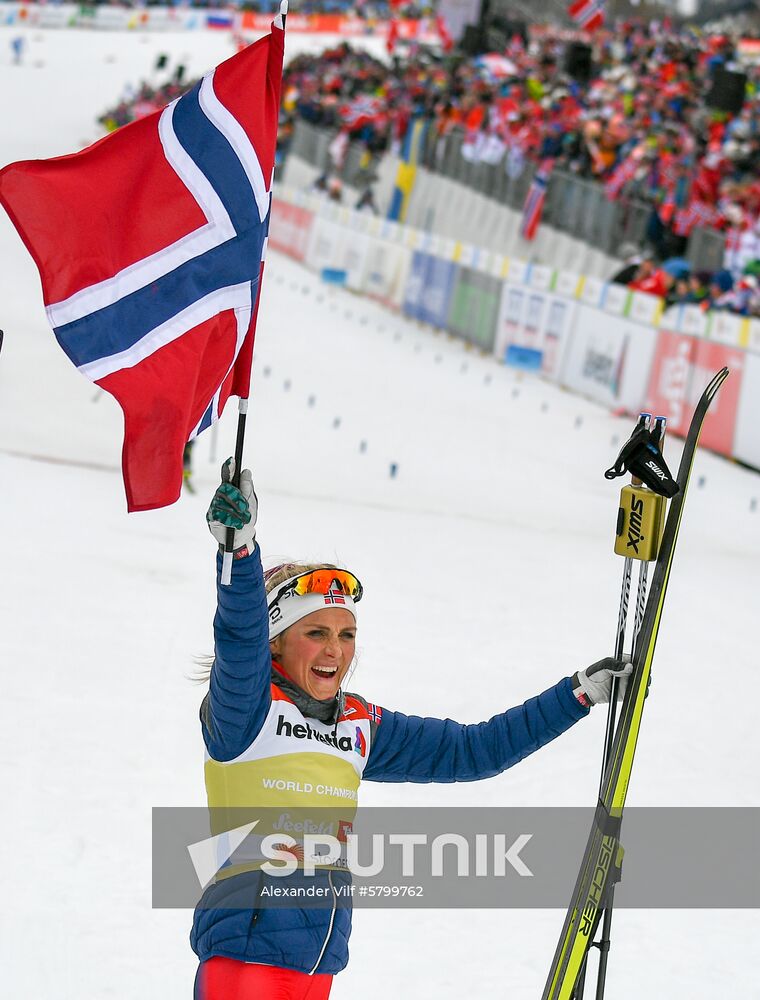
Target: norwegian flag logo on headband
[[334, 597], [150, 245]]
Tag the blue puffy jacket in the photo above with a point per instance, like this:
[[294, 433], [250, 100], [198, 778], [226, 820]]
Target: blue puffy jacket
[[230, 919]]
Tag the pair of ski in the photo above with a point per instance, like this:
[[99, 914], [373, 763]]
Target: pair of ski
[[600, 867]]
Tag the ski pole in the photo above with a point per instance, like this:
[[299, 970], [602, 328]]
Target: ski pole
[[609, 732], [650, 508], [658, 438]]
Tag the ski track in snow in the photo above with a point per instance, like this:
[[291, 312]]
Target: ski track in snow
[[488, 570]]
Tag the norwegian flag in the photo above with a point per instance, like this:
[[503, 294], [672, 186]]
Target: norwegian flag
[[534, 201], [150, 246], [334, 597], [363, 110], [374, 712], [587, 14], [696, 213], [624, 172]]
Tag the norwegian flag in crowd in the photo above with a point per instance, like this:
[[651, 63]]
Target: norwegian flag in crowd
[[363, 110], [150, 246], [587, 14], [624, 172], [696, 213], [534, 201]]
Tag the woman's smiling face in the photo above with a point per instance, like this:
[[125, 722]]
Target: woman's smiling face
[[317, 651]]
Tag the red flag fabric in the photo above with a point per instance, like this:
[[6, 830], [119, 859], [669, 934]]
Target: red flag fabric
[[150, 245], [587, 14], [534, 201], [447, 42], [390, 42]]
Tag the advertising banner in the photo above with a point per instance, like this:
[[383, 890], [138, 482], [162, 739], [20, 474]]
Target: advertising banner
[[725, 328], [435, 300], [338, 24], [592, 291], [415, 282], [533, 328], [353, 258], [720, 422], [474, 309], [608, 360], [616, 299], [747, 428], [510, 320], [324, 250], [682, 367], [566, 283], [290, 228], [753, 336], [668, 390], [558, 325], [694, 321], [386, 272], [645, 308]]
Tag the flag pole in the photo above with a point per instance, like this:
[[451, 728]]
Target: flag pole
[[229, 541]]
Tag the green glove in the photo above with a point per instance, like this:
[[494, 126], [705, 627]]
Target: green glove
[[233, 507]]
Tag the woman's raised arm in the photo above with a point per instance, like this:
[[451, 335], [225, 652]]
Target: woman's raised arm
[[239, 693]]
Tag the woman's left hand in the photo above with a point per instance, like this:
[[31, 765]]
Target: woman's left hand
[[234, 507]]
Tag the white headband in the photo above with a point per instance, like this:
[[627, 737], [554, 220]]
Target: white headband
[[292, 607]]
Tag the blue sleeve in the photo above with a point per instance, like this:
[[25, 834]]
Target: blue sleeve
[[240, 689], [408, 748]]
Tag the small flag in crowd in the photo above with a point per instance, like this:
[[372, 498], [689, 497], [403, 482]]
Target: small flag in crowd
[[411, 148], [624, 172], [447, 42], [534, 201], [390, 42], [150, 245], [363, 110], [696, 213], [587, 14], [495, 67]]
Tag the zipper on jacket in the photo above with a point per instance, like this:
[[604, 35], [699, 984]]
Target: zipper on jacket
[[330, 925]]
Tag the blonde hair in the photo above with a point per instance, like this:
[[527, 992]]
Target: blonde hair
[[273, 577]]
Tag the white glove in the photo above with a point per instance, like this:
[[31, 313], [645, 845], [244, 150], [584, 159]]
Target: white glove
[[233, 507], [594, 684]]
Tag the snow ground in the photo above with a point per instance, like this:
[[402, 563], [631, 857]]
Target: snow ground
[[488, 570]]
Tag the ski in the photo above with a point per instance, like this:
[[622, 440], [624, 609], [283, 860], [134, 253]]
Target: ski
[[602, 859]]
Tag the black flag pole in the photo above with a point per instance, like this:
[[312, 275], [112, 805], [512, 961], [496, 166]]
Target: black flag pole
[[229, 541]]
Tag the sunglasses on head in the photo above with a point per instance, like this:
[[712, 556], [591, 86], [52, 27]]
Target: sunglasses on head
[[322, 581]]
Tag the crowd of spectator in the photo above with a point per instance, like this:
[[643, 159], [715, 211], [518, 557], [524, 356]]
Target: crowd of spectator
[[678, 284], [640, 124]]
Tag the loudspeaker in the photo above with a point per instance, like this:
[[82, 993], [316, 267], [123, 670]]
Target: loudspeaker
[[473, 41], [179, 73], [161, 61], [727, 91], [577, 63]]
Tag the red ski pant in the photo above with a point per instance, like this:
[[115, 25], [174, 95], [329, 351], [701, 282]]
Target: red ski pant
[[228, 979]]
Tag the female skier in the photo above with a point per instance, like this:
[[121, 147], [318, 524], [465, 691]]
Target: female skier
[[282, 737]]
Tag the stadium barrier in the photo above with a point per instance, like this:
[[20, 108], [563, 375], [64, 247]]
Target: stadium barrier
[[580, 226], [617, 347]]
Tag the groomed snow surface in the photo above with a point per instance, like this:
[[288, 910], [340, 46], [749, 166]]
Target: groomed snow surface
[[489, 574]]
